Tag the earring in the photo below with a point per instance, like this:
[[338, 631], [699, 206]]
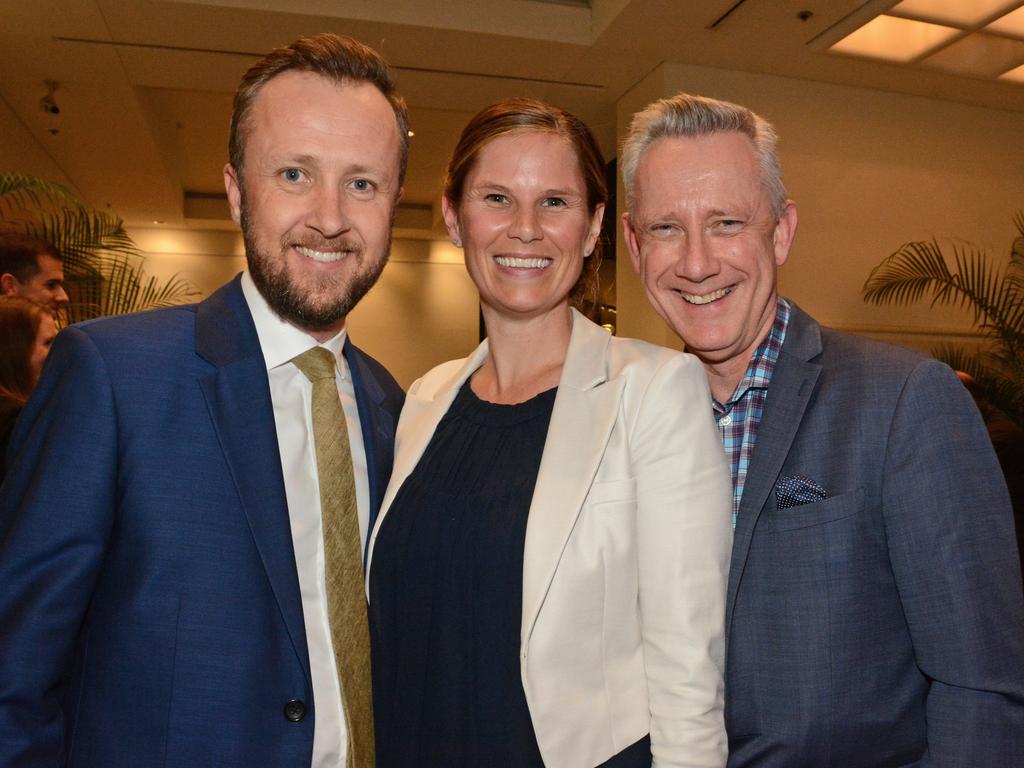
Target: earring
[[457, 241]]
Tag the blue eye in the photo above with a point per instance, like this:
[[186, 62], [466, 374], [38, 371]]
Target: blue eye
[[554, 202], [362, 187], [729, 225], [292, 175]]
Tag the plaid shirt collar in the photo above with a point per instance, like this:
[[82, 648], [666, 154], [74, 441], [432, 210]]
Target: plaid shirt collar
[[762, 363], [739, 418]]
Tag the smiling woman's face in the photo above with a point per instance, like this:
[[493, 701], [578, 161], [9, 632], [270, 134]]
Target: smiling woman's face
[[524, 224]]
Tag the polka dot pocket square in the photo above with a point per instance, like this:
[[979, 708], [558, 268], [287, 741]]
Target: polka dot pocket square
[[797, 490]]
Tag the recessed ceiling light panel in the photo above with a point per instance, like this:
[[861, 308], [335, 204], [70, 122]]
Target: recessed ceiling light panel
[[1015, 75], [966, 13], [1010, 24], [895, 39]]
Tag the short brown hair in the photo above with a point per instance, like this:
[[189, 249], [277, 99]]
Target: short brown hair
[[19, 326], [335, 57], [518, 115], [19, 255]]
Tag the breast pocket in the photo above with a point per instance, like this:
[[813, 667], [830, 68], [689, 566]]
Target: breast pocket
[[816, 513]]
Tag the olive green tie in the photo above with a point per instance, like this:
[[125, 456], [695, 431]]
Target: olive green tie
[[343, 563]]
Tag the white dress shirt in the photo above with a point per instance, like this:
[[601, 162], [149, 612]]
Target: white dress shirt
[[291, 393]]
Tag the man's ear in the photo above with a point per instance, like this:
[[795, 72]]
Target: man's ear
[[9, 284], [234, 190], [785, 232], [632, 245]]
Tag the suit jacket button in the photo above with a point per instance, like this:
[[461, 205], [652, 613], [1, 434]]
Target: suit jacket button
[[294, 710]]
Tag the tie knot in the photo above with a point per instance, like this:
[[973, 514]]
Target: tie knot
[[316, 363]]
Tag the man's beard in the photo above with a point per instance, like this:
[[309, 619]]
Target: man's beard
[[296, 304]]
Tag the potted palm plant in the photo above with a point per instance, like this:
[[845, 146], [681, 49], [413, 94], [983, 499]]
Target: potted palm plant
[[994, 293], [104, 269]]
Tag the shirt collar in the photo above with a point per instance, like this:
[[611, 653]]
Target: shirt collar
[[281, 341], [762, 362]]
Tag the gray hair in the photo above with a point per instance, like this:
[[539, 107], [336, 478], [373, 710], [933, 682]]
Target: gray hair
[[687, 116]]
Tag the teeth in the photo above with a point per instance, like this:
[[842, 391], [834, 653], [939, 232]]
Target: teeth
[[517, 262], [707, 298], [322, 256]]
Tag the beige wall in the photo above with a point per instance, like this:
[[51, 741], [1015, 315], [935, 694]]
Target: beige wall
[[421, 313], [869, 171]]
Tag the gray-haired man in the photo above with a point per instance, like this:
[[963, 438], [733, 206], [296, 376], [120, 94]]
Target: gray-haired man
[[875, 615]]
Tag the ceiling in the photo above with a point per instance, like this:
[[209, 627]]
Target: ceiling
[[144, 87]]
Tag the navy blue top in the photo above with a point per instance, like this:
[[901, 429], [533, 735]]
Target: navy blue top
[[446, 594]]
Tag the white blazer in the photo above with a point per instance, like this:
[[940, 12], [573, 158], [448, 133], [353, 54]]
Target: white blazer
[[626, 556]]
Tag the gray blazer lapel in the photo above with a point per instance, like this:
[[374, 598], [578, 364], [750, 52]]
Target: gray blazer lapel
[[584, 414], [789, 392]]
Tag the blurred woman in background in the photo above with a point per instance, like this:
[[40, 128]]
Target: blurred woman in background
[[26, 332], [547, 573]]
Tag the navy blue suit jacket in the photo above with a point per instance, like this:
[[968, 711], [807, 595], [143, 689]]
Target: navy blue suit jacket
[[150, 612], [883, 625]]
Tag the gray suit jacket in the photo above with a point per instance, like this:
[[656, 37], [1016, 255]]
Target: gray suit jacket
[[883, 625]]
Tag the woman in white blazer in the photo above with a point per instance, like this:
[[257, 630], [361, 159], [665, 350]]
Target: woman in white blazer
[[547, 573]]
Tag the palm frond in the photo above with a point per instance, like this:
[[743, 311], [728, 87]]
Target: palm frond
[[905, 276], [995, 387], [84, 238], [18, 191], [919, 268], [104, 269], [994, 295]]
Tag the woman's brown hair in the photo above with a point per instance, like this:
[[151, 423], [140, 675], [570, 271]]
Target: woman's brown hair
[[19, 326], [517, 115]]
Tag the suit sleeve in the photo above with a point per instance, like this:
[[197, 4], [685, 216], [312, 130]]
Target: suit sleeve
[[57, 511], [684, 539], [952, 546]]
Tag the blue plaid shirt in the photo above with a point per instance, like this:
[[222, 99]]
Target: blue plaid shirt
[[739, 418]]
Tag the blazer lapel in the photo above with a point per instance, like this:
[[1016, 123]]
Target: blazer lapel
[[422, 412], [238, 397], [584, 414], [792, 384], [377, 426]]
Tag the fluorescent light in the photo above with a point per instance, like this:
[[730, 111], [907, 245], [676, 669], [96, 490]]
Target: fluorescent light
[[1010, 24], [960, 12], [1015, 75], [895, 39]]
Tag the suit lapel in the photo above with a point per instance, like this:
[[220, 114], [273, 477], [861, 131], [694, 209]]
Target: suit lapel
[[792, 384], [238, 397], [376, 424], [582, 419], [422, 412]]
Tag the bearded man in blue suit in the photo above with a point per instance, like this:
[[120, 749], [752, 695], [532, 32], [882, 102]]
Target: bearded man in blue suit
[[874, 612], [162, 560]]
